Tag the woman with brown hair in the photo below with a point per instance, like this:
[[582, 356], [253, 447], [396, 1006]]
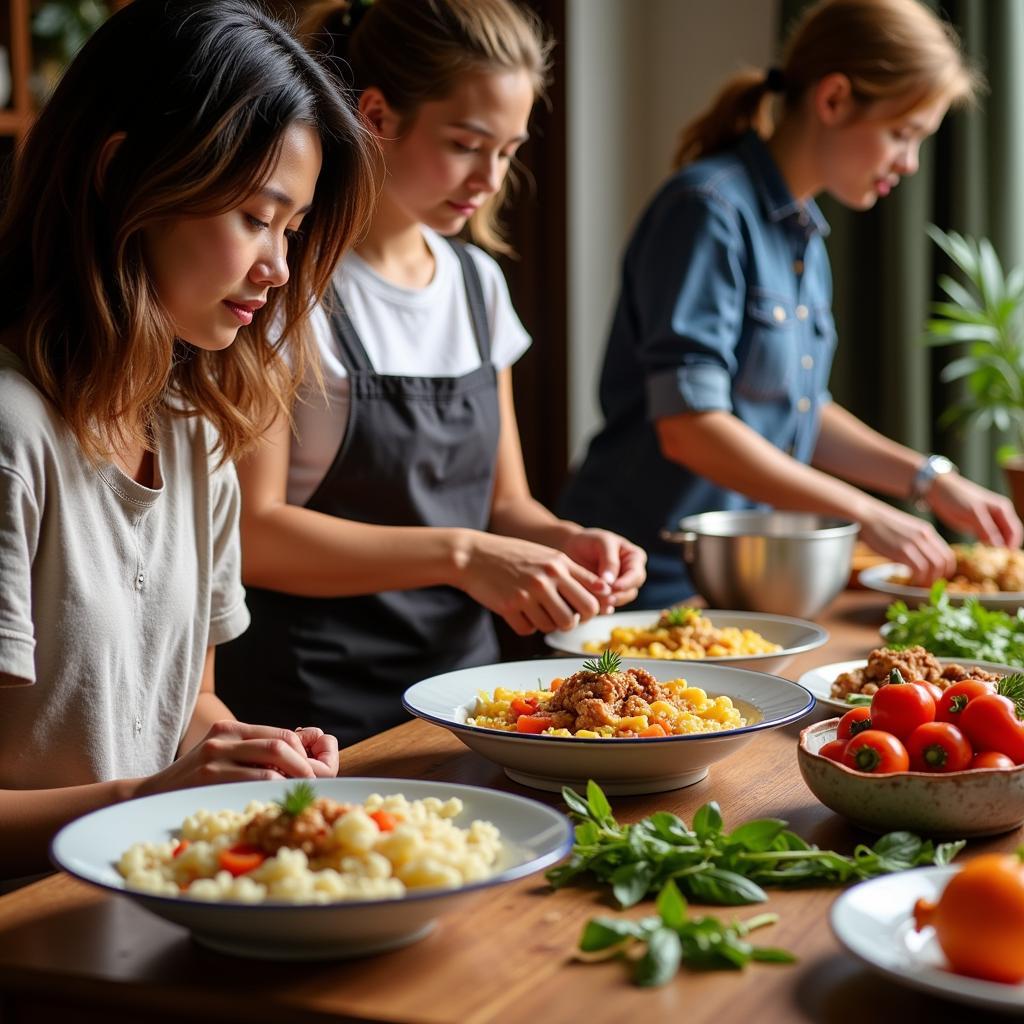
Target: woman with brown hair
[[194, 178], [714, 386], [377, 541]]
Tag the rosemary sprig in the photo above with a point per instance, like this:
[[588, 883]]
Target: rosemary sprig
[[297, 798], [1013, 687], [609, 662]]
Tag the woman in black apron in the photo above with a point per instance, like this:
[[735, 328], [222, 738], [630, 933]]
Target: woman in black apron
[[422, 524]]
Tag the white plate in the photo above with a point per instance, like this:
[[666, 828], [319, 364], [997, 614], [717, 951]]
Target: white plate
[[877, 577], [794, 636], [874, 921], [819, 680], [650, 765], [533, 836]]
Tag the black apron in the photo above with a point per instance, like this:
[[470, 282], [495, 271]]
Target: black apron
[[418, 451]]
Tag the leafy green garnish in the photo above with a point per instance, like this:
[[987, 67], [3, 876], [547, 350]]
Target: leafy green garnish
[[672, 938], [609, 662], [297, 798], [711, 865], [681, 615], [950, 631]]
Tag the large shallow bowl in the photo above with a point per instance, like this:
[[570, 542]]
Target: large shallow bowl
[[786, 563], [954, 805], [794, 636], [650, 765], [819, 680], [881, 578], [533, 836]]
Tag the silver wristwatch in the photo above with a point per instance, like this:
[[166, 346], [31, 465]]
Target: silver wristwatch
[[933, 466]]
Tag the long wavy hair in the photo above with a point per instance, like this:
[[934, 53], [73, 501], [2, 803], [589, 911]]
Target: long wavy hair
[[417, 50], [204, 91], [886, 48]]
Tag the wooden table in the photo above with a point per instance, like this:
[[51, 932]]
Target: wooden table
[[69, 952]]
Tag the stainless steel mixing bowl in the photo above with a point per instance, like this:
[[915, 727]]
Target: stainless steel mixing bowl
[[788, 563]]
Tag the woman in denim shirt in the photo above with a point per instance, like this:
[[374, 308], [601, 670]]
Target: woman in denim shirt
[[715, 381]]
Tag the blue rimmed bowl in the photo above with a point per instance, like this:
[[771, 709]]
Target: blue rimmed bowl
[[621, 766], [533, 837]]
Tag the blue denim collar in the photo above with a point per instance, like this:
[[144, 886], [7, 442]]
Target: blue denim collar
[[777, 200]]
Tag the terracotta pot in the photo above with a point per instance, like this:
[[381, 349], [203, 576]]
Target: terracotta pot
[[1014, 470]]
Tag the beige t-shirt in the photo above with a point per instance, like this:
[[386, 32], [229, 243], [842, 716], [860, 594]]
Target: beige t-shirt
[[110, 593]]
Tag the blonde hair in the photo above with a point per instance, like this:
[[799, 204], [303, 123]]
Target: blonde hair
[[203, 94], [886, 48], [417, 50]]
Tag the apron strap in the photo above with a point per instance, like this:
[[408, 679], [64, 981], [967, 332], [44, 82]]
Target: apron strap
[[475, 296], [353, 354]]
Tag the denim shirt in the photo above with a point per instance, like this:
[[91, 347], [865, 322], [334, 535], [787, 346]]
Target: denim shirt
[[725, 303]]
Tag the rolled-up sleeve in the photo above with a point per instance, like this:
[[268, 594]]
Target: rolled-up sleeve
[[685, 272]]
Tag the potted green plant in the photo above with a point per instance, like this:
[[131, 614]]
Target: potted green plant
[[59, 28], [985, 314]]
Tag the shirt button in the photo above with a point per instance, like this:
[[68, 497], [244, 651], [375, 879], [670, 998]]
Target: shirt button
[[807, 362], [798, 266], [138, 725], [779, 313], [801, 312], [804, 404], [140, 581]]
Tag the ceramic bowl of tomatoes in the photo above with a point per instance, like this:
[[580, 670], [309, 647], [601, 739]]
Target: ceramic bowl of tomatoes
[[941, 763]]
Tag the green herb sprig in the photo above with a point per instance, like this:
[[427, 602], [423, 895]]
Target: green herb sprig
[[680, 615], [672, 939], [609, 662], [713, 866], [297, 798], [969, 630]]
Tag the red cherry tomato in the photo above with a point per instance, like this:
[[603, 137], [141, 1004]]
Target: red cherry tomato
[[854, 721], [951, 704], [935, 691], [833, 750], [991, 759], [938, 747], [876, 752], [900, 708], [990, 722]]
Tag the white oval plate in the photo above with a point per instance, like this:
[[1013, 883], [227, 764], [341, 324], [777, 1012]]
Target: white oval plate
[[621, 766], [794, 636], [877, 577], [875, 922], [819, 680], [533, 836]]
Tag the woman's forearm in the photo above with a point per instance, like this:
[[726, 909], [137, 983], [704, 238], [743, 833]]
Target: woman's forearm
[[525, 517], [723, 449], [298, 551], [32, 817], [850, 449]]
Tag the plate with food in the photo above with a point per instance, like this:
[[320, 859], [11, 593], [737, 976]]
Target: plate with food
[[313, 870], [992, 575], [633, 726], [876, 922], [683, 633], [833, 685]]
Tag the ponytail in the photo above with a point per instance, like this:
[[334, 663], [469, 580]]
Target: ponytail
[[886, 48], [743, 103]]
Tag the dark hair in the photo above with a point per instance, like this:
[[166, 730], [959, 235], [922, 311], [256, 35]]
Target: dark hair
[[887, 48], [204, 91], [417, 50]]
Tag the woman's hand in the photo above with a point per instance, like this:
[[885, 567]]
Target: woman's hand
[[909, 540], [236, 752], [620, 563], [531, 586], [966, 506]]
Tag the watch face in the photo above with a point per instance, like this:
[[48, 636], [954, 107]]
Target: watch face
[[940, 464]]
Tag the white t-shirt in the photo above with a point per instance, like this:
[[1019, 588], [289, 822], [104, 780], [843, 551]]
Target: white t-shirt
[[413, 332], [110, 593]]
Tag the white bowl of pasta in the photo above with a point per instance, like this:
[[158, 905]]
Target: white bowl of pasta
[[684, 633], [356, 866], [642, 726]]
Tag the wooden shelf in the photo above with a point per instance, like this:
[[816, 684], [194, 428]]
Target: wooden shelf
[[13, 123]]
